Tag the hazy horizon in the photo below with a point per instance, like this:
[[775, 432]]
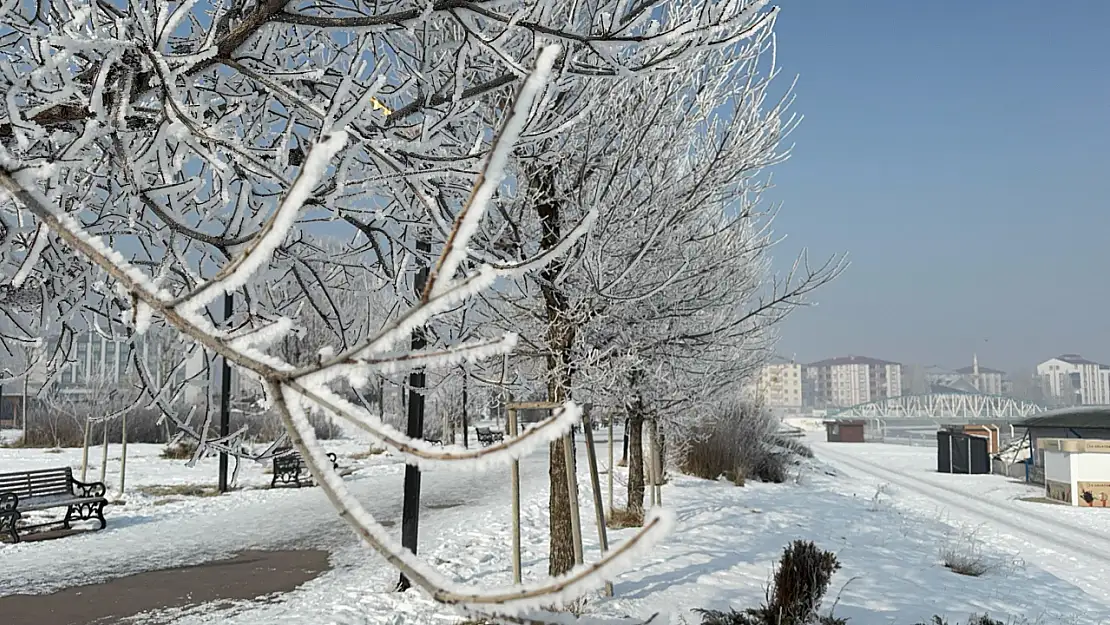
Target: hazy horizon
[[957, 152]]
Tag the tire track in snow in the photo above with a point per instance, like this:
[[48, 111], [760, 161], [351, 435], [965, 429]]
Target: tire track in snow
[[1062, 536]]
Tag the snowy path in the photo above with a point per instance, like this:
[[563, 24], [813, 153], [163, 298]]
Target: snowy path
[[1076, 552], [205, 529]]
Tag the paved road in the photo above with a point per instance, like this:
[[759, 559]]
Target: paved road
[[248, 576]]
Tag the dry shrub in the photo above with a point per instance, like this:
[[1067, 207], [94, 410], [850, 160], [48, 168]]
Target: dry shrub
[[964, 555], [369, 453], [48, 426], [967, 563], [181, 450], [620, 518], [974, 619], [739, 443], [801, 580]]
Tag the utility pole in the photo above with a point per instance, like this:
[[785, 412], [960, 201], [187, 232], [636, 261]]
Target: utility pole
[[225, 397], [410, 512]]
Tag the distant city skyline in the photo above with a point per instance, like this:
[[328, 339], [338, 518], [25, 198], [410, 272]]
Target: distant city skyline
[[957, 152]]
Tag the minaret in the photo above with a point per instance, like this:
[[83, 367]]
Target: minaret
[[975, 371]]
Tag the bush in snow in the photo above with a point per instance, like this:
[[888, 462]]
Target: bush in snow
[[800, 583], [181, 450], [739, 443], [974, 619], [619, 518], [964, 555]]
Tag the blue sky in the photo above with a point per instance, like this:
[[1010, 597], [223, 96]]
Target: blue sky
[[958, 151]]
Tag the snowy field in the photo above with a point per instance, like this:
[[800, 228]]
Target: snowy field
[[720, 555]]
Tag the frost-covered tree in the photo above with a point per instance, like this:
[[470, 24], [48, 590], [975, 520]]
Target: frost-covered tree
[[668, 302], [157, 156]]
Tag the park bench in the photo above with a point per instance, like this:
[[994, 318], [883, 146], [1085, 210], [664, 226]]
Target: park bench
[[43, 489], [290, 469], [487, 437]]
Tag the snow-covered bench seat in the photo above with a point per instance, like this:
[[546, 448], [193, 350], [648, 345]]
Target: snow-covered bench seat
[[43, 489], [290, 469]]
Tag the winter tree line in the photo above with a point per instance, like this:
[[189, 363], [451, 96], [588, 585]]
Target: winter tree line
[[538, 200]]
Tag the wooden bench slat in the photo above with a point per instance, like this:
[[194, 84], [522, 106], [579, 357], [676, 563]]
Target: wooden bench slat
[[46, 479], [36, 479], [33, 472]]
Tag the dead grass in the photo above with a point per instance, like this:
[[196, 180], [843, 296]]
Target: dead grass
[[964, 555], [369, 453], [620, 518], [179, 451], [180, 490]]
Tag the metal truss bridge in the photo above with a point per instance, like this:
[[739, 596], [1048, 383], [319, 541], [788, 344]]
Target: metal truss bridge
[[942, 407]]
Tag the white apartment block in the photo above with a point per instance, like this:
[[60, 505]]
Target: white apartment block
[[1075, 380], [851, 380], [779, 385], [849, 384]]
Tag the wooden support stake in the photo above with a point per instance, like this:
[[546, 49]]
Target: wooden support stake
[[611, 465], [595, 483], [516, 502], [572, 491], [657, 464]]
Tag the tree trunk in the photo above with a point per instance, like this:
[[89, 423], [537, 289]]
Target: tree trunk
[[635, 429], [84, 450], [561, 331], [561, 537]]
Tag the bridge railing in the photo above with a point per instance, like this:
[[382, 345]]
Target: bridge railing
[[923, 432]]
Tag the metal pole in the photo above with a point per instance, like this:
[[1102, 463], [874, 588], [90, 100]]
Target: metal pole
[[595, 483], [410, 509], [225, 398], [516, 501], [572, 491]]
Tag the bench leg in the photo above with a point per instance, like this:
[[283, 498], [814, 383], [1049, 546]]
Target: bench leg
[[7, 523], [86, 512]]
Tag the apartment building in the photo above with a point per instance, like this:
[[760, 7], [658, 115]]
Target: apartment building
[[1074, 380], [779, 386], [850, 380]]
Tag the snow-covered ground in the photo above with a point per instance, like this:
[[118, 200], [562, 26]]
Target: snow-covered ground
[[720, 556], [1072, 544]]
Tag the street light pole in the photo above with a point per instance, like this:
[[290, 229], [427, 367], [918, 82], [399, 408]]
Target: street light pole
[[410, 511], [225, 398]]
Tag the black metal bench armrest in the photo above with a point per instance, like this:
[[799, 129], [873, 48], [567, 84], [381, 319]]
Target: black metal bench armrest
[[334, 460], [89, 489], [8, 501]]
